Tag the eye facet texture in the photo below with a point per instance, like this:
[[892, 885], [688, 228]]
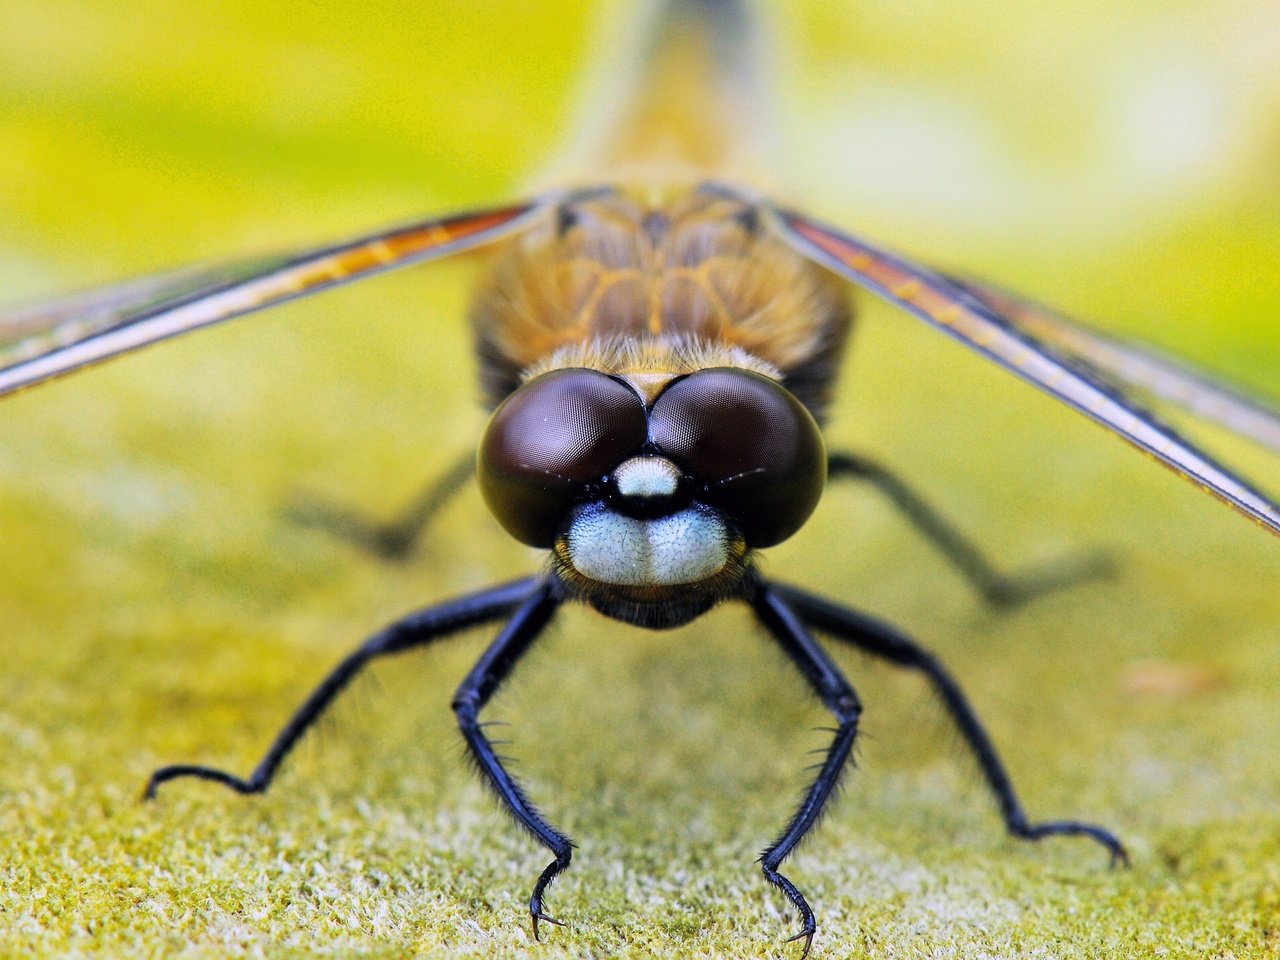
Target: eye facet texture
[[753, 449], [550, 439]]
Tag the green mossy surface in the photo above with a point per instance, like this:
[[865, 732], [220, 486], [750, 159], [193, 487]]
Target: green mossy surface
[[157, 607]]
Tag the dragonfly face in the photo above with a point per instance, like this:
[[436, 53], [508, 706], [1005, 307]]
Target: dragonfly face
[[651, 507]]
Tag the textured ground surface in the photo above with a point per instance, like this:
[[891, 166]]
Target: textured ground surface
[[156, 606]]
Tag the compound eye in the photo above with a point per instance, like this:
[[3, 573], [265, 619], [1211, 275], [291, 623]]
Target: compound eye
[[548, 442], [754, 450]]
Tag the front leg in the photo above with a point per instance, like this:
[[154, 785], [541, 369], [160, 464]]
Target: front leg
[[838, 696], [480, 684], [884, 641]]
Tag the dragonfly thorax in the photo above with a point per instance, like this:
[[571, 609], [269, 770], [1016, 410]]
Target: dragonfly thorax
[[609, 271]]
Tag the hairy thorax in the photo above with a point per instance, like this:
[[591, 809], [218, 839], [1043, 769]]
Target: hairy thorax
[[655, 287]]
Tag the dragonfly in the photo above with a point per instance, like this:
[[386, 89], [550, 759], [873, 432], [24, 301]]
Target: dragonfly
[[657, 345]]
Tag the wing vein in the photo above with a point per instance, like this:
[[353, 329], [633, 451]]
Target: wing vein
[[964, 314]]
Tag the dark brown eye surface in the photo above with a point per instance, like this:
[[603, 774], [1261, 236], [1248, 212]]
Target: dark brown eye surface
[[753, 448], [548, 442]]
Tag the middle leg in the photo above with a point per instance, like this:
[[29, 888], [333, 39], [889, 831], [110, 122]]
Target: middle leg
[[415, 630], [884, 641]]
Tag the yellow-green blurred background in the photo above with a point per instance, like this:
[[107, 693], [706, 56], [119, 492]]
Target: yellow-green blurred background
[[1122, 160]]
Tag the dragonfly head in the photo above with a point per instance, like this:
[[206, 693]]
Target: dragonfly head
[[651, 501]]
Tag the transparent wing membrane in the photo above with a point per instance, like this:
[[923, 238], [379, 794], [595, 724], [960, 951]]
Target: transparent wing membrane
[[44, 341], [1164, 377], [1045, 356]]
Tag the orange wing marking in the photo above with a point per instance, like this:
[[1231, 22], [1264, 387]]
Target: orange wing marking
[[1060, 372], [126, 317]]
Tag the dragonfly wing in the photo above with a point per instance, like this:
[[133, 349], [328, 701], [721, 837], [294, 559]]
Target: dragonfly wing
[[958, 312], [44, 341], [1168, 378]]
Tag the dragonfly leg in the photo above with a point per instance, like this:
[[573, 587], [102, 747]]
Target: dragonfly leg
[[390, 540], [839, 697], [414, 630], [493, 667], [884, 641], [996, 588]]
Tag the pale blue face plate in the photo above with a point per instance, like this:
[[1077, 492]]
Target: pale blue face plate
[[689, 546]]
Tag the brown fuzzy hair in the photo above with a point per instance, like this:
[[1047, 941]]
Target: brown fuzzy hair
[[691, 277]]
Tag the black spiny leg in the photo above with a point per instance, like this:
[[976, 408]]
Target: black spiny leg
[[884, 641], [395, 539], [414, 630], [485, 678], [838, 697], [996, 588]]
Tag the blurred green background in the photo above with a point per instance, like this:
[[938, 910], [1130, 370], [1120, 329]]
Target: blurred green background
[[1120, 160]]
